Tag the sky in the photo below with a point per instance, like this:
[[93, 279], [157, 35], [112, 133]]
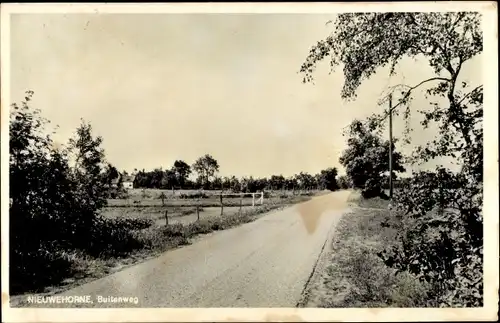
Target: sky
[[162, 87]]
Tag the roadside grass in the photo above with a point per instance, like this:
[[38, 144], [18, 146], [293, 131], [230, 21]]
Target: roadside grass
[[353, 275], [153, 212], [153, 240], [356, 200]]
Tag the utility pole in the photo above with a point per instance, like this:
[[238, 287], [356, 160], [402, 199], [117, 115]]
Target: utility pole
[[390, 146]]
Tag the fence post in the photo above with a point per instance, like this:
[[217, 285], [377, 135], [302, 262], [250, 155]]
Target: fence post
[[166, 217], [241, 204], [253, 199], [221, 205], [198, 212], [261, 198]]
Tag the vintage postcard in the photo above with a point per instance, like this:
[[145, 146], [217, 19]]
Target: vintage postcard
[[249, 162]]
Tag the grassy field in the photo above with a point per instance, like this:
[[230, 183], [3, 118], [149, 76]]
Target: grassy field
[[155, 193], [350, 274], [147, 205], [204, 198]]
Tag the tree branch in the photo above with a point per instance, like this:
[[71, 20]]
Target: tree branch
[[468, 94], [408, 93]]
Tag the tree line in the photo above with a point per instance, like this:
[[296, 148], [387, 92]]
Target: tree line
[[207, 167]]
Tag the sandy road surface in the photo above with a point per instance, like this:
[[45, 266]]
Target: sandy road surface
[[265, 263]]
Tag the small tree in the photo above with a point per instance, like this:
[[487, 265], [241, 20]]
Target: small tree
[[89, 175]]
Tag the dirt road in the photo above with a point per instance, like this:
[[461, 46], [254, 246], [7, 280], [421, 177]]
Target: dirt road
[[265, 263]]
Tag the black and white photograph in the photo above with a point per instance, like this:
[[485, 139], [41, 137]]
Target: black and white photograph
[[280, 158]]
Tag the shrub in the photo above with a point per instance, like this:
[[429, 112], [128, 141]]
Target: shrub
[[174, 230], [32, 270], [372, 188], [198, 195], [130, 223], [441, 241], [110, 238], [160, 239], [54, 204], [199, 227]]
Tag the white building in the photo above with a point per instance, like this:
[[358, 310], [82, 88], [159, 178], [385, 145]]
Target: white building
[[128, 181]]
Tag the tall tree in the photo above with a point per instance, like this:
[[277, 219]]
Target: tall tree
[[169, 179], [305, 180], [365, 42], [366, 160], [157, 176], [206, 167], [182, 171]]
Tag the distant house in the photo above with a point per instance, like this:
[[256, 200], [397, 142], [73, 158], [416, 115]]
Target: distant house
[[128, 181]]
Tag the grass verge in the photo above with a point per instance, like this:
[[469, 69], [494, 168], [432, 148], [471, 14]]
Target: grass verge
[[350, 273]]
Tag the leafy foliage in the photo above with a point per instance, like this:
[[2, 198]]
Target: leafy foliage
[[363, 42], [206, 167], [366, 160], [56, 193], [181, 170], [443, 239], [344, 182], [327, 179]]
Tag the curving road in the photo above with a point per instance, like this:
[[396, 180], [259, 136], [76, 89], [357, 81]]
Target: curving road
[[265, 263]]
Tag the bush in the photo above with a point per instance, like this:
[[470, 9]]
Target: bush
[[372, 188], [199, 195], [174, 230], [199, 227], [441, 240], [161, 239], [110, 238], [130, 224], [33, 270], [54, 204]]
